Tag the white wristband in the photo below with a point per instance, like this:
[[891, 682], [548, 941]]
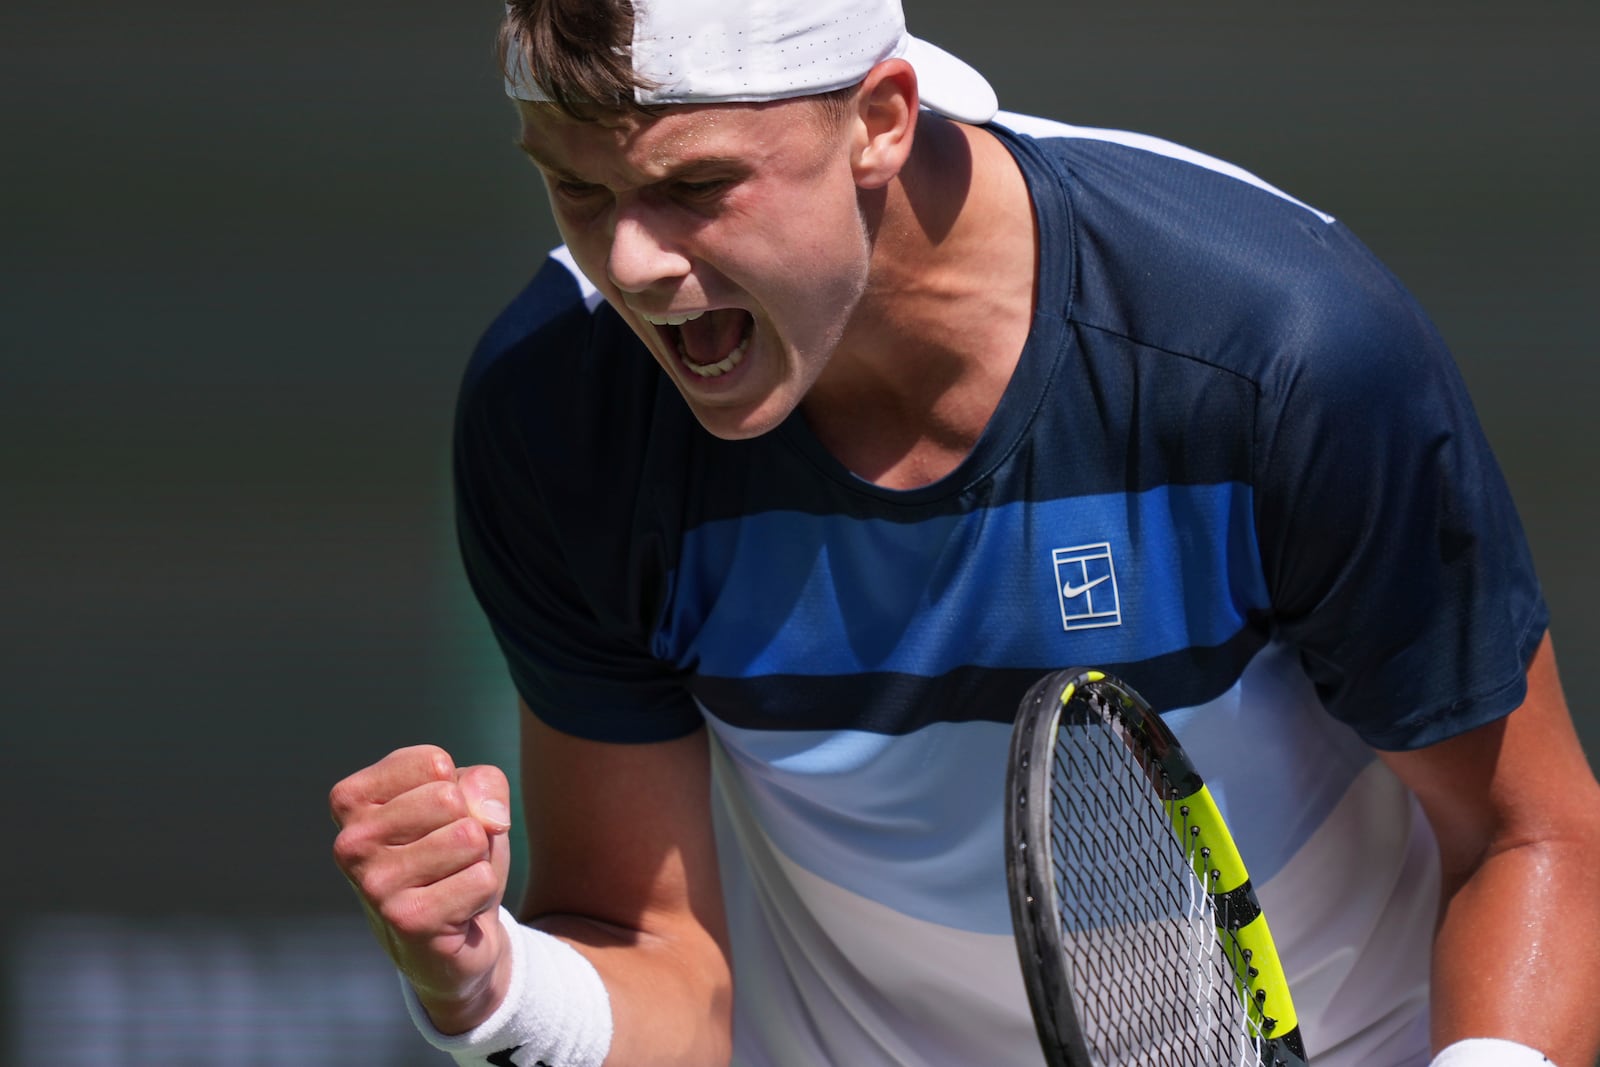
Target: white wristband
[[1488, 1052], [556, 1013]]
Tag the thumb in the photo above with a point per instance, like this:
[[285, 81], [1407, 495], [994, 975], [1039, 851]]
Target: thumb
[[488, 796]]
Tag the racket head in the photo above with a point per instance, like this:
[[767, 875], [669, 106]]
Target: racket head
[[1138, 930]]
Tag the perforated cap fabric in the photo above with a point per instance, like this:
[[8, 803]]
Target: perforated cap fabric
[[717, 51]]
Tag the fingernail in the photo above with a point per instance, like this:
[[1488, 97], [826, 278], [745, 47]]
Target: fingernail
[[495, 811]]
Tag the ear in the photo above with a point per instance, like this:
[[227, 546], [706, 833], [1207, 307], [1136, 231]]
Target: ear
[[885, 123]]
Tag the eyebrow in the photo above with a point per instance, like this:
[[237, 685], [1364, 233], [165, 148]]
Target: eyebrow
[[687, 166], [541, 162]]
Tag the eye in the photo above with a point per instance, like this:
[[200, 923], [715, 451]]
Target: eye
[[701, 191], [576, 190]]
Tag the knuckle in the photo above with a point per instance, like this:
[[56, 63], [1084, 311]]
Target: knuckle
[[407, 915], [369, 884], [485, 776], [437, 761], [452, 801], [469, 834], [375, 881], [342, 800], [350, 848], [476, 885], [344, 854], [481, 880]]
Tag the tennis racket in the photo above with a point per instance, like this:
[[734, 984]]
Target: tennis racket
[[1140, 936]]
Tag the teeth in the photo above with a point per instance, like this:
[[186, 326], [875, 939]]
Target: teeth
[[721, 366], [670, 320]]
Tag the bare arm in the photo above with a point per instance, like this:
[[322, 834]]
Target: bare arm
[[623, 866], [1516, 810]]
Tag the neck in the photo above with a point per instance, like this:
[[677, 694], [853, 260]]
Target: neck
[[948, 305]]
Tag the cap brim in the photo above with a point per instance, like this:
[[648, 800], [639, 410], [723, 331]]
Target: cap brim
[[948, 85]]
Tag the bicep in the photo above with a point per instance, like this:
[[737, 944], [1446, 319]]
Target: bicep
[[619, 833], [1512, 804], [623, 866]]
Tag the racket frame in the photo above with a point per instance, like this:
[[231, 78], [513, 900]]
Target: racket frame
[[1197, 824]]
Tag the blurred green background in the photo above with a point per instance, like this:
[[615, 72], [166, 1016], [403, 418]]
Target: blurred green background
[[245, 253]]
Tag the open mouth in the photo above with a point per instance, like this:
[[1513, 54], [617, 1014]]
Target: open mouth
[[709, 344]]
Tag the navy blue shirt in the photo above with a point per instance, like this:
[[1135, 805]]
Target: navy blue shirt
[[1235, 464]]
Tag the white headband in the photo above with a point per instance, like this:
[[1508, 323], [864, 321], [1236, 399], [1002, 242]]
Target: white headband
[[723, 51]]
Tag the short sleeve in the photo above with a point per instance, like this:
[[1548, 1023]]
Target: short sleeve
[[1395, 559], [552, 533]]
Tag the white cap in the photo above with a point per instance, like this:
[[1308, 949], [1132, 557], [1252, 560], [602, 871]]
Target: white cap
[[726, 51]]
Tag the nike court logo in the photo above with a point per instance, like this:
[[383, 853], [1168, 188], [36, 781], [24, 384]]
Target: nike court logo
[[1080, 572], [1071, 591]]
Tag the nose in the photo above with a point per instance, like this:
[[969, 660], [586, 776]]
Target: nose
[[643, 252]]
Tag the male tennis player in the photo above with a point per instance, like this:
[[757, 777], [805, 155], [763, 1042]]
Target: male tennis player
[[848, 409]]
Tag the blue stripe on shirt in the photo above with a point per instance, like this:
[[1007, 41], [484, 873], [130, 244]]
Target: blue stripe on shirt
[[804, 594]]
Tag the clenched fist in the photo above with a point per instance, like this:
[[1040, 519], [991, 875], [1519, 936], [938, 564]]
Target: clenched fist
[[424, 844]]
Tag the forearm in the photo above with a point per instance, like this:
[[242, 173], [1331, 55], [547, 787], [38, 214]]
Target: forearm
[[1517, 954], [580, 993], [671, 1000]]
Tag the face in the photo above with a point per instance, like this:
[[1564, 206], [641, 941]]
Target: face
[[730, 237]]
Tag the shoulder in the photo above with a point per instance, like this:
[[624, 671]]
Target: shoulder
[[561, 381], [1180, 251], [542, 349], [567, 445], [1099, 153], [565, 432]]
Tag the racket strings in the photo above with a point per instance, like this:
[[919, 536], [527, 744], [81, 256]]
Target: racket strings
[[1152, 974]]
